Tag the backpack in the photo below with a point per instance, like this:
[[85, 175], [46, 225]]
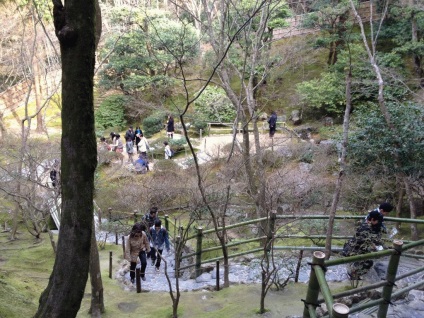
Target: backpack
[[172, 153]]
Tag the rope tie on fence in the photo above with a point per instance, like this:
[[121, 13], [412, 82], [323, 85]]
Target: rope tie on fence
[[323, 267], [312, 304], [390, 283]]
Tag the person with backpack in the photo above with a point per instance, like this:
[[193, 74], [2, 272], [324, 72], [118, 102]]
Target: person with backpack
[[137, 246], [168, 151], [158, 239], [366, 239]]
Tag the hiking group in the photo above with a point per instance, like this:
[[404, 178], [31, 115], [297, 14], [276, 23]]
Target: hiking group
[[367, 239], [146, 240], [136, 144]]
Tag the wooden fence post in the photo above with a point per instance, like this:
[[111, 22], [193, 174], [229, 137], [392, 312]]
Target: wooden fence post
[[110, 264], [135, 216], [123, 246], [167, 223], [217, 275], [199, 251], [137, 279], [390, 279], [313, 286]]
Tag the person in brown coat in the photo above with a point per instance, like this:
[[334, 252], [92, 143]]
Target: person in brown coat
[[136, 246]]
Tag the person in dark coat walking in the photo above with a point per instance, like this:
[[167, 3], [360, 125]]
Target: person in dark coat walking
[[158, 240], [272, 121], [170, 127]]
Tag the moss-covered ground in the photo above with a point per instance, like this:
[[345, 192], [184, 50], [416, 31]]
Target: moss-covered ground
[[26, 264]]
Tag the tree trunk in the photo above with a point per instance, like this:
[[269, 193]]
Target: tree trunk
[[413, 211], [75, 28], [417, 59], [339, 183], [97, 303], [400, 200]]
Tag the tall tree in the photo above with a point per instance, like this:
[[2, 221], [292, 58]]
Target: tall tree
[[75, 28]]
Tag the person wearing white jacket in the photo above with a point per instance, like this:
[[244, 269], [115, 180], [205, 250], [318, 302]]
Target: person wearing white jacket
[[143, 145]]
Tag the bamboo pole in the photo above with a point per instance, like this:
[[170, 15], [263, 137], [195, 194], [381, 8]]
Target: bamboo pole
[[340, 310], [390, 278], [313, 287], [323, 286], [372, 286]]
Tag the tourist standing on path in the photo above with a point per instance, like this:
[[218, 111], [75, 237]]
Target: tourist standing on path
[[130, 134], [384, 209], [170, 127], [118, 147], [168, 151], [143, 146], [136, 246], [138, 134], [159, 239], [272, 121], [130, 149]]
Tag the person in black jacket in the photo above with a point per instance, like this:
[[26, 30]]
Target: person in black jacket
[[170, 127], [272, 121], [130, 134]]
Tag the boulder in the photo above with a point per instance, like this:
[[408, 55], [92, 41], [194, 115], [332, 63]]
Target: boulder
[[296, 117]]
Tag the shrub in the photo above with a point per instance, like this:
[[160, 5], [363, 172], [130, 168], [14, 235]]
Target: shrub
[[215, 106], [111, 112], [153, 124]]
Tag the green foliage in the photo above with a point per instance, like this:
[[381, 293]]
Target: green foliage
[[386, 150], [325, 92], [153, 123], [214, 106], [111, 112], [147, 50]]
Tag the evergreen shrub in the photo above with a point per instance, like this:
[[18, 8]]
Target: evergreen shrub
[[111, 113], [153, 124]]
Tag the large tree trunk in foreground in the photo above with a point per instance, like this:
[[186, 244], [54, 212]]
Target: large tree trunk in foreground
[[75, 28]]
